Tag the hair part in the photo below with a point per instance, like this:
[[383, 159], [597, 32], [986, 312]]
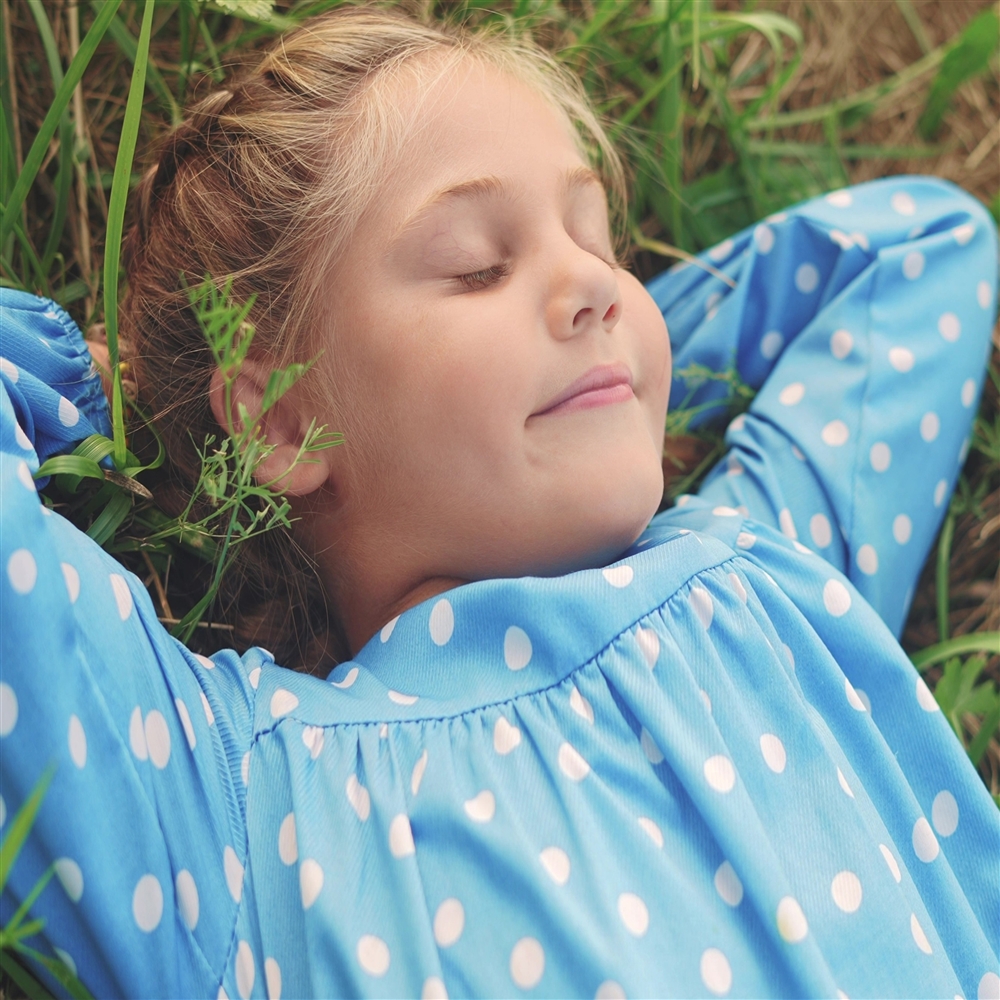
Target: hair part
[[263, 185]]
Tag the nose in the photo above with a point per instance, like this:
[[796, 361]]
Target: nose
[[585, 296]]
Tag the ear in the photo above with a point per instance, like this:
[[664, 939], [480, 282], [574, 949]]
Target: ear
[[284, 427]]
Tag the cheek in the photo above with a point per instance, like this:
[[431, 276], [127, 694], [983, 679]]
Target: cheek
[[652, 343]]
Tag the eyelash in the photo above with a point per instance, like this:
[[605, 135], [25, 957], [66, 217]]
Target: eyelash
[[477, 280]]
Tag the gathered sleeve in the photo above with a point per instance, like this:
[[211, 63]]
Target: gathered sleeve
[[863, 318], [144, 821]]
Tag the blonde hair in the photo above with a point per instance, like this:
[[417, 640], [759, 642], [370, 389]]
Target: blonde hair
[[263, 184]]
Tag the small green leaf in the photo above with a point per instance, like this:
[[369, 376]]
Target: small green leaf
[[24, 979], [968, 58], [253, 10], [987, 642], [21, 825], [989, 725], [111, 517], [72, 465]]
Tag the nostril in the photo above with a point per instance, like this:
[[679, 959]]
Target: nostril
[[581, 317], [613, 314]]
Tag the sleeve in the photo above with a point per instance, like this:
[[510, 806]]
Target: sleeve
[[144, 821], [864, 320]]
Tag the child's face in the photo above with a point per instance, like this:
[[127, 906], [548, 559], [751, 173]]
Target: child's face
[[478, 290]]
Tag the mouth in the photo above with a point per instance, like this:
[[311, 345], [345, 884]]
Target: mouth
[[601, 386]]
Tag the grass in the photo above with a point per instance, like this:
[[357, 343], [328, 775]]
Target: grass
[[726, 111]]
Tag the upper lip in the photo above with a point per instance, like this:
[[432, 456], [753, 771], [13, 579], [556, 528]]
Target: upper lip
[[599, 377]]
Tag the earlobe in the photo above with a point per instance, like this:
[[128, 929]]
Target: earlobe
[[284, 427]]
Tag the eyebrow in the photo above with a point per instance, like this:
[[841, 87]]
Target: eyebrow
[[496, 187]]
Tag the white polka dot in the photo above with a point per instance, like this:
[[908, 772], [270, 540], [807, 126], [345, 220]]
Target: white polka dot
[[449, 922], [860, 239], [792, 924], [737, 584], [234, 873], [836, 598], [313, 738], [925, 698], [653, 831], [715, 971], [442, 621], [791, 394], [853, 697], [763, 237], [27, 480], [634, 914], [919, 936], [989, 987], [283, 702], [867, 560], [901, 358], [968, 392], [403, 699], [123, 596], [771, 344], [387, 629], [891, 862], [434, 989], [207, 663], [349, 678], [843, 783], [963, 233], [68, 872], [254, 677], [707, 701], [930, 425], [272, 977], [21, 438], [745, 540], [913, 265], [527, 963], [841, 239], [963, 452], [903, 203], [66, 958], [245, 768], [618, 576], [310, 882], [737, 423], [77, 742], [774, 752], [846, 891], [482, 808], [9, 369], [22, 571], [421, 765], [147, 903], [925, 844], [506, 736], [69, 415], [880, 456], [724, 511], [712, 305], [984, 294], [649, 644], [581, 706], [806, 278], [787, 524], [288, 841], [572, 764], [609, 990], [819, 528], [157, 739], [944, 813], [556, 862], [246, 971], [721, 251], [649, 747], [720, 773], [840, 199], [950, 327], [72, 579], [734, 467], [186, 724], [401, 836], [702, 605], [358, 796], [516, 648], [187, 898], [835, 433], [728, 884], [841, 344], [8, 709], [3, 811], [136, 734]]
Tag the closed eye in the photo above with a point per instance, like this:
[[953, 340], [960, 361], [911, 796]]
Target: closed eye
[[477, 280]]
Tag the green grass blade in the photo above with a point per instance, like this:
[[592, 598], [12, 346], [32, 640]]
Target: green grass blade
[[61, 971], [118, 30], [22, 911], [33, 161], [72, 465], [21, 824], [942, 581], [107, 522], [968, 58], [985, 642], [116, 219], [25, 981], [988, 727]]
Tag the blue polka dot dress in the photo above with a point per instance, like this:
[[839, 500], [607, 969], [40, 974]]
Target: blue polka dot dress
[[706, 769]]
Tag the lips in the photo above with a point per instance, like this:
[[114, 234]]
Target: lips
[[601, 386]]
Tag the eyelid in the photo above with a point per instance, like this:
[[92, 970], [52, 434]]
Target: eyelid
[[477, 280]]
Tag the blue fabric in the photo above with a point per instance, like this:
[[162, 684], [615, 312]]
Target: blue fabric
[[707, 769]]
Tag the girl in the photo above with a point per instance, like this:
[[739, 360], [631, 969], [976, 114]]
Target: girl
[[576, 749]]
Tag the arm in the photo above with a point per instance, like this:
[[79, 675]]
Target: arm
[[146, 739], [864, 319]]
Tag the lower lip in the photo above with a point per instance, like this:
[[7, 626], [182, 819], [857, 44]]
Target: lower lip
[[620, 393]]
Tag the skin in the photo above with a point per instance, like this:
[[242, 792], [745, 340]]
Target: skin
[[455, 319]]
